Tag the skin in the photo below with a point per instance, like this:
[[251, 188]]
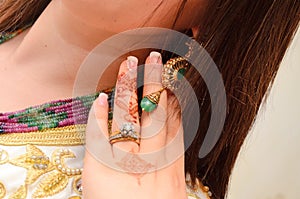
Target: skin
[[63, 36], [134, 181], [40, 65]]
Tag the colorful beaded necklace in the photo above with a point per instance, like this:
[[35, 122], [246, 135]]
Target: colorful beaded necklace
[[58, 113], [5, 36]]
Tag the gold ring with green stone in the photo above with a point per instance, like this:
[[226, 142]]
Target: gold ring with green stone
[[173, 71], [150, 102]]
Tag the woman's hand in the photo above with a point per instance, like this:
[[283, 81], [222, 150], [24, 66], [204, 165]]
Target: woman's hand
[[153, 168]]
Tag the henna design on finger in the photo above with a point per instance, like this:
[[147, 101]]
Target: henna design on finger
[[125, 82], [126, 97], [134, 107], [121, 104], [135, 166]]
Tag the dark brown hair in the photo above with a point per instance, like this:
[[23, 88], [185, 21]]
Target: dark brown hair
[[247, 40], [15, 14]]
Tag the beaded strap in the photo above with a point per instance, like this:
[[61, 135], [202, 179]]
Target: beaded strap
[[59, 113], [5, 36]]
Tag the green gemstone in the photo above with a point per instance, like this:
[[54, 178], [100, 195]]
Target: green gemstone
[[180, 74], [147, 105], [110, 115]]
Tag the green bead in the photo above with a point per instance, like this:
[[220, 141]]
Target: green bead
[[147, 105], [110, 115], [32, 124], [40, 127], [180, 74]]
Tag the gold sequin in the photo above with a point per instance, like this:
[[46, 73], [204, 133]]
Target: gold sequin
[[2, 190], [61, 136]]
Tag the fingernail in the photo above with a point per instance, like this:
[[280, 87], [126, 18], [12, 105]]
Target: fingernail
[[132, 63], [102, 99], [155, 57]]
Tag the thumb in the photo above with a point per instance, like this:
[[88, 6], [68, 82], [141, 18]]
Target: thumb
[[97, 128]]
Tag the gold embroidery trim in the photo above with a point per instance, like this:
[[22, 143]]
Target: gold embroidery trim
[[53, 175], [60, 136], [21, 193], [3, 158], [32, 162], [198, 187], [2, 190], [77, 187], [52, 184], [193, 195], [75, 197]]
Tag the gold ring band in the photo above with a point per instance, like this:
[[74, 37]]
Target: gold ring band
[[126, 133], [124, 139]]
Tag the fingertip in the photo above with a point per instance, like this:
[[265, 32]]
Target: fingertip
[[132, 58], [155, 57], [100, 106], [153, 69], [132, 62], [102, 99]]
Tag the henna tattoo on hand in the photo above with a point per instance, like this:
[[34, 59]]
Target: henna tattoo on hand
[[125, 82], [135, 166], [133, 107], [126, 97]]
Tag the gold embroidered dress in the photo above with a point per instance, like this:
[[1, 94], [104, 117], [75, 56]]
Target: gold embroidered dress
[[41, 149]]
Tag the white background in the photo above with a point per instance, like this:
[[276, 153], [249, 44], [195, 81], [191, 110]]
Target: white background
[[268, 166]]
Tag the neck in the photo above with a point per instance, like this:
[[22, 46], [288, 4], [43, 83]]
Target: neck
[[54, 27], [50, 39]]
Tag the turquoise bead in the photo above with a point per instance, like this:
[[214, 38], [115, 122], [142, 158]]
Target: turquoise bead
[[147, 105]]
